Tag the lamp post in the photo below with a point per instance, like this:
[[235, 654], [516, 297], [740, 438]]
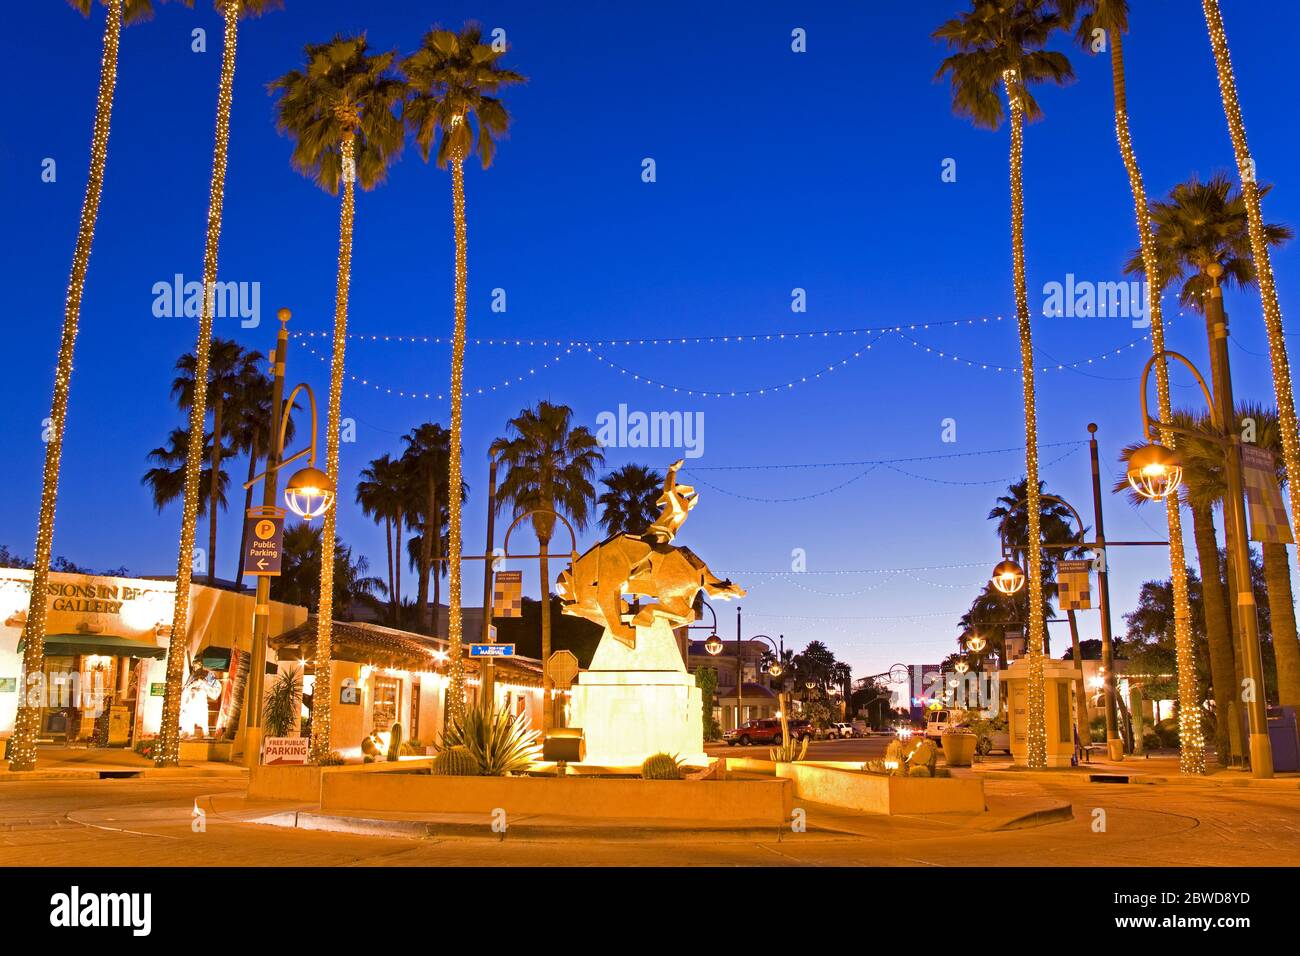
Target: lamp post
[[1114, 745], [308, 494], [488, 677], [1155, 472]]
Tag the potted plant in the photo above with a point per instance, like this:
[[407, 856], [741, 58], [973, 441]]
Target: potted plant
[[959, 741]]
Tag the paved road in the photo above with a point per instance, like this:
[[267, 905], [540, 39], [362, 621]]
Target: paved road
[[149, 823]]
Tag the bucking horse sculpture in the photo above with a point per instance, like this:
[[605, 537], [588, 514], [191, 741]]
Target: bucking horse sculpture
[[645, 565]]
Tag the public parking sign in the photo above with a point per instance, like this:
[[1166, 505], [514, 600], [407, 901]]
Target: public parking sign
[[491, 650], [264, 533]]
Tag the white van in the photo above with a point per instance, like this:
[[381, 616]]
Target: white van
[[936, 722]]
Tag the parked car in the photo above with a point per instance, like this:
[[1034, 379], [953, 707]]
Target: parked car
[[936, 722], [764, 731], [992, 740], [839, 731], [801, 729]]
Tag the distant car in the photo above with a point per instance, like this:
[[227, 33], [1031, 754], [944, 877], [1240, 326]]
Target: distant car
[[765, 731], [839, 730], [993, 740], [801, 729], [936, 722]]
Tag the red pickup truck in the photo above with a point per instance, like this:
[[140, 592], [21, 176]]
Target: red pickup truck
[[765, 731]]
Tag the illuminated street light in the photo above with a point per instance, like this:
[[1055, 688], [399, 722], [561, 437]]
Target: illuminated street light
[[1155, 471], [309, 493], [713, 645], [1008, 577]]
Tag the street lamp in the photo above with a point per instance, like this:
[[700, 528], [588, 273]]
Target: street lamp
[[309, 493], [713, 645], [1155, 471], [1008, 577], [1220, 402]]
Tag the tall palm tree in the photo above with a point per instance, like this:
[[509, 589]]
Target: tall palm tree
[[549, 464], [22, 754], [166, 479], [1204, 481], [1111, 16], [340, 113], [1001, 42], [428, 449], [232, 10], [1259, 243], [230, 370], [451, 82], [383, 494], [629, 503]]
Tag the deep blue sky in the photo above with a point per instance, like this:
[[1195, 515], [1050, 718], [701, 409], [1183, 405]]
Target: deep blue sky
[[775, 170]]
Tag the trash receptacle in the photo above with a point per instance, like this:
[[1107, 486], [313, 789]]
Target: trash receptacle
[[1284, 738]]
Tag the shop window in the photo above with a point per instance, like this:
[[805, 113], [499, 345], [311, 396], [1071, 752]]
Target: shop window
[[387, 698]]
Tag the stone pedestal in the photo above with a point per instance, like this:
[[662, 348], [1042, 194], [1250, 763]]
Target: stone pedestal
[[634, 702], [1058, 680]]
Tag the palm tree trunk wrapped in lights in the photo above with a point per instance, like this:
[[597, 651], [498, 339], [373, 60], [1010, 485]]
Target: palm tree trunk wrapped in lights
[[456, 667], [1259, 243], [27, 722], [1191, 752], [321, 689], [1036, 645], [168, 752]]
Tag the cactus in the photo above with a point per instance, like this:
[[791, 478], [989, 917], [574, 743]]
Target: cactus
[[790, 752], [660, 767], [920, 770], [454, 762], [394, 741]]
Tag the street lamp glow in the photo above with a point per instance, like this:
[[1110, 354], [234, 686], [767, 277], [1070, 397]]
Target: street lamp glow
[[1008, 577], [961, 667], [976, 644], [1155, 471], [713, 645], [309, 493], [774, 669]]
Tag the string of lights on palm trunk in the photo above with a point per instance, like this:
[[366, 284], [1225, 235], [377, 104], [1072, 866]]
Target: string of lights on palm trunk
[[168, 751], [28, 720]]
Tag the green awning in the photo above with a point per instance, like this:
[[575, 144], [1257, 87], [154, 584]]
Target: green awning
[[106, 644]]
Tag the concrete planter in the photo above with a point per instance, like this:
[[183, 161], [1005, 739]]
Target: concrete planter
[[958, 747], [729, 801], [844, 784], [218, 750]]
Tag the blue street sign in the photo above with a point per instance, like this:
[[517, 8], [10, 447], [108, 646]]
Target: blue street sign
[[264, 532], [491, 650]]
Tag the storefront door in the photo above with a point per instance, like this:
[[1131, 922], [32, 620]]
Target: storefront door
[[387, 700]]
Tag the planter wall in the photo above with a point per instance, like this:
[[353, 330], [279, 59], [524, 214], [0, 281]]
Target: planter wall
[[758, 801], [842, 784]]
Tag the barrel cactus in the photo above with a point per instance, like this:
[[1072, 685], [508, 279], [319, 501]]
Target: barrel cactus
[[394, 741], [454, 762], [660, 767]]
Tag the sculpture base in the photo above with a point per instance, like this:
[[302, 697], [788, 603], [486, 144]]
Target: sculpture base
[[634, 702]]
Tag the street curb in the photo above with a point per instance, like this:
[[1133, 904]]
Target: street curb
[[1024, 821], [116, 773], [525, 832], [1146, 779]]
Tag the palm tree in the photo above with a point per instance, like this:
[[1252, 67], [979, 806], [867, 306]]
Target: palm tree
[[426, 456], [630, 502], [339, 111], [230, 371], [166, 479], [27, 723], [299, 581], [1204, 480], [1197, 225], [232, 10], [1277, 572], [451, 79], [1259, 243], [1002, 42], [383, 494], [1111, 16], [549, 467]]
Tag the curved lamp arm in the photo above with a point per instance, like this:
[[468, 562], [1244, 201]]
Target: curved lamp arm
[[1002, 525], [309, 451], [1148, 421], [573, 538]]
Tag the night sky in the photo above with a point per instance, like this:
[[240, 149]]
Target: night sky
[[775, 170]]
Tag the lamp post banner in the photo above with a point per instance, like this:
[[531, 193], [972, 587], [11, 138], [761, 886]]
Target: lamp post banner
[[1074, 584], [508, 594], [1268, 520]]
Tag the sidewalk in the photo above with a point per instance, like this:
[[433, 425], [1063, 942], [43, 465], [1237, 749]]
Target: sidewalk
[[1157, 770], [93, 763]]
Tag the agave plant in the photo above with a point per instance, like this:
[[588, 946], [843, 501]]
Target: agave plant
[[501, 744]]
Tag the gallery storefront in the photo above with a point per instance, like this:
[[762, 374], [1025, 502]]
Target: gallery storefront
[[105, 658]]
